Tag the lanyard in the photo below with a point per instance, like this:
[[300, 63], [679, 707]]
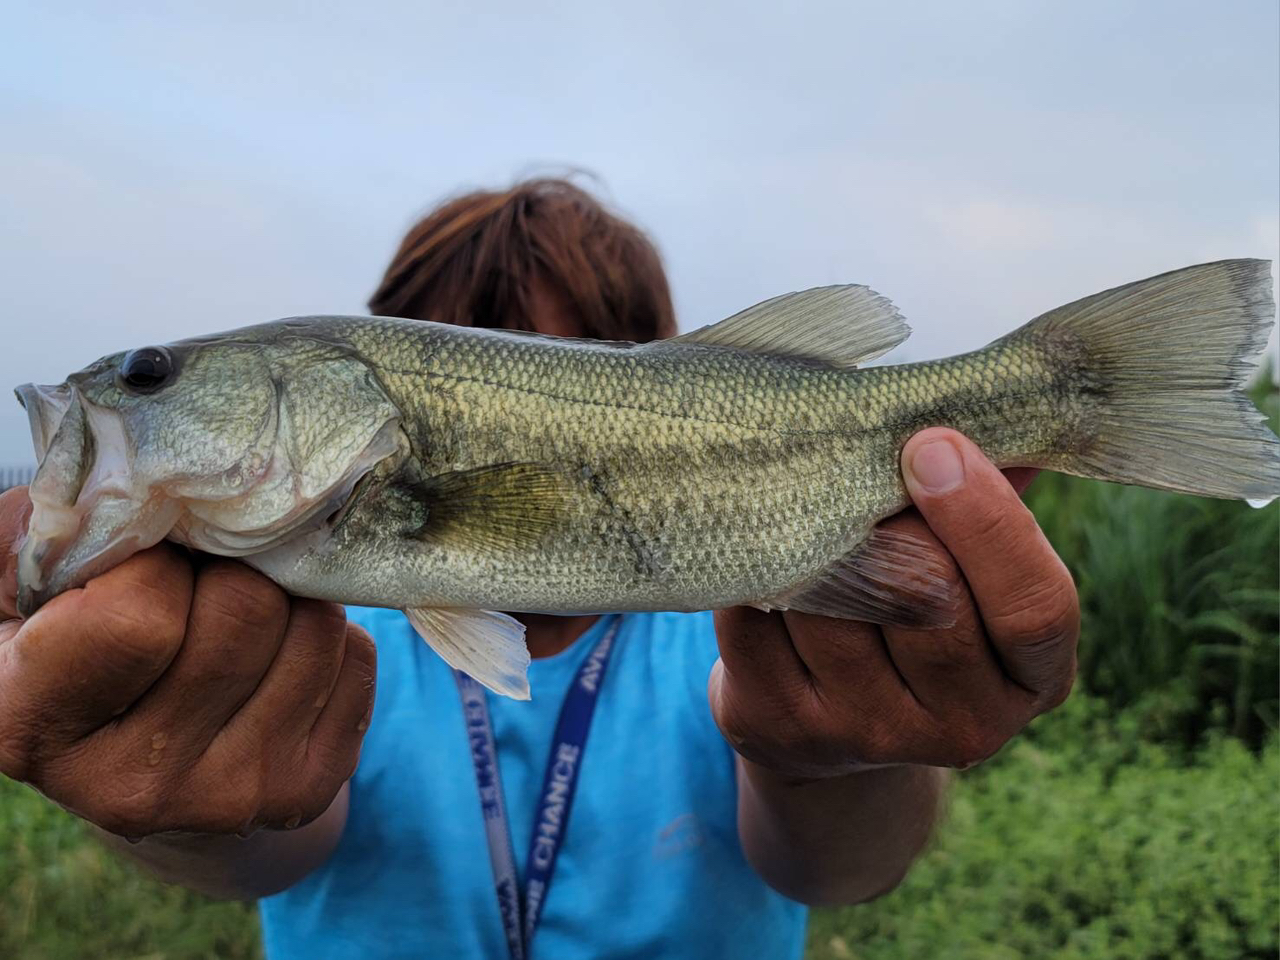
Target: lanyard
[[555, 799]]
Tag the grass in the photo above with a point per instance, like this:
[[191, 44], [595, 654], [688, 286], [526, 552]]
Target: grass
[[64, 897]]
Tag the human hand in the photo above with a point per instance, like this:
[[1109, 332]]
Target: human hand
[[813, 697], [171, 696]]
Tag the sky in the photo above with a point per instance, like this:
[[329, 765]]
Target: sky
[[174, 169]]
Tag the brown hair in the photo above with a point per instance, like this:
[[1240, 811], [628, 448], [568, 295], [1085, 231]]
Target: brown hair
[[476, 260]]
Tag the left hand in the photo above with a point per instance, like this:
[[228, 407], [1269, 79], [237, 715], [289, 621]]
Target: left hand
[[812, 697]]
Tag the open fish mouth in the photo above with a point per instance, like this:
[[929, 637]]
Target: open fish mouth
[[88, 511]]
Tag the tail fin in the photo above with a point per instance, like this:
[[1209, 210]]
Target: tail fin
[[1168, 358]]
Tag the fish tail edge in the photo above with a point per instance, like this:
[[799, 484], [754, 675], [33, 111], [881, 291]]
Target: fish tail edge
[[1164, 364]]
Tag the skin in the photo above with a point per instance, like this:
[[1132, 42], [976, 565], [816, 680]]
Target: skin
[[843, 729]]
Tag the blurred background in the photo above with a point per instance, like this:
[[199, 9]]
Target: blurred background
[[171, 170]]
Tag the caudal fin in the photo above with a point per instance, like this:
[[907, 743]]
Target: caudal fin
[[1166, 361]]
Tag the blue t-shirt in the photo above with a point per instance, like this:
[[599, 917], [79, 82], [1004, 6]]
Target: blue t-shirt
[[651, 864]]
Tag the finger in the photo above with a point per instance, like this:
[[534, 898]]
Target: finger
[[15, 511], [87, 655], [298, 683], [759, 690], [303, 776], [757, 653], [848, 662], [1023, 591], [944, 668], [236, 625], [334, 744]]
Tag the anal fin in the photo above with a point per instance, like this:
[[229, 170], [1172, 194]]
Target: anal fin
[[889, 578], [489, 647]]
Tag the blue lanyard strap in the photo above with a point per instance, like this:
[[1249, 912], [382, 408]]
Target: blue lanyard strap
[[502, 858], [559, 784]]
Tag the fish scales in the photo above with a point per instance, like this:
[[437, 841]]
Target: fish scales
[[675, 490]]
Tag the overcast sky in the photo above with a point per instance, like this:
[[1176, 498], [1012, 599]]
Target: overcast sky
[[201, 167]]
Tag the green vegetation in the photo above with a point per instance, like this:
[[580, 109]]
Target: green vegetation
[[64, 897], [1138, 821], [1082, 840]]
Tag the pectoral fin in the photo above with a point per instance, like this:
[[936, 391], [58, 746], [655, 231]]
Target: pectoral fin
[[890, 578], [502, 506], [487, 646]]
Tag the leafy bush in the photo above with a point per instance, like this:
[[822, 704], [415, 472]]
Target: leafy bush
[[1081, 841], [1181, 601]]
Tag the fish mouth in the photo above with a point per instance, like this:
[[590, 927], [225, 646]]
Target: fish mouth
[[87, 512], [45, 405]]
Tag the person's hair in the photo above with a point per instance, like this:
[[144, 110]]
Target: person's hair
[[476, 260]]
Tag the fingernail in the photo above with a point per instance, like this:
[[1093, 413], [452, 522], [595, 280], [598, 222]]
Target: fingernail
[[936, 467]]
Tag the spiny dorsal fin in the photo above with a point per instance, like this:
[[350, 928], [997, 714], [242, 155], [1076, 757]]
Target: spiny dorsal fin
[[841, 326]]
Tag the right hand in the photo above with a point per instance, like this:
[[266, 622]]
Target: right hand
[[166, 696]]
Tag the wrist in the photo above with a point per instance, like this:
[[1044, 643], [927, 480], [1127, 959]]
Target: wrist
[[812, 774], [860, 777]]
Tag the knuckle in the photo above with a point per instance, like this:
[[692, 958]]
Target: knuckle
[[1045, 604], [330, 763], [135, 808], [319, 617], [1040, 617], [1058, 690], [971, 744], [885, 742], [993, 524], [244, 797], [138, 631], [948, 650], [18, 745], [362, 650], [222, 799], [232, 592], [309, 791]]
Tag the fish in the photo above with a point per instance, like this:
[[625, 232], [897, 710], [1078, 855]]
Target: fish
[[455, 472]]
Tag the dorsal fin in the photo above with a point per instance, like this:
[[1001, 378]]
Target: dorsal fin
[[840, 326]]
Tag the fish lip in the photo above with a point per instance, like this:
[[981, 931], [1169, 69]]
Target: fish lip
[[46, 405], [85, 475], [29, 601]]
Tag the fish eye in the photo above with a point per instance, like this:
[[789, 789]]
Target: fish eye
[[146, 370]]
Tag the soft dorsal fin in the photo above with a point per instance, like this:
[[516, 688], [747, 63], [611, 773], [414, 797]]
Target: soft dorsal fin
[[840, 326]]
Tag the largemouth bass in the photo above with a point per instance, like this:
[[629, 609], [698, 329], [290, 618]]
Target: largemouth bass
[[452, 472]]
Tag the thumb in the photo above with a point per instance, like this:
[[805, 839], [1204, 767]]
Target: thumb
[[15, 510], [1023, 591]]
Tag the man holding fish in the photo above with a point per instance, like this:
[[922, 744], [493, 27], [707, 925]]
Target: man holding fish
[[223, 731]]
